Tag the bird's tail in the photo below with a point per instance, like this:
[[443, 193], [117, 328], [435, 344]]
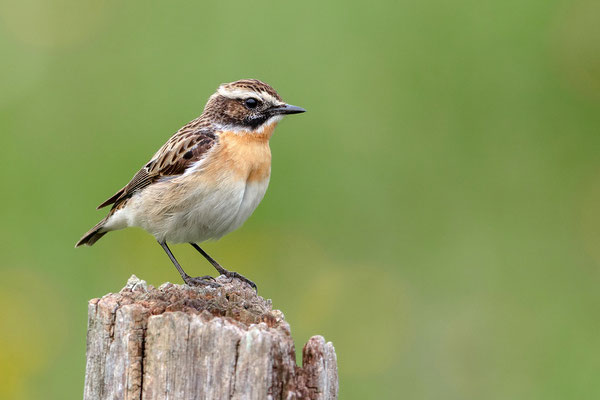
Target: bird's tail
[[93, 235]]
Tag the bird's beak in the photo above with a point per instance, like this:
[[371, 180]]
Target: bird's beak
[[287, 109]]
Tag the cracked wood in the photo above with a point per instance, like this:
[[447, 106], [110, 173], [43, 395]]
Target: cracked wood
[[179, 342]]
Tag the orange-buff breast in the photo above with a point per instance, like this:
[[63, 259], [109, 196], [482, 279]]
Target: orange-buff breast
[[245, 155]]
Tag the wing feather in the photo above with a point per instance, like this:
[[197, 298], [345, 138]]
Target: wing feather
[[189, 145]]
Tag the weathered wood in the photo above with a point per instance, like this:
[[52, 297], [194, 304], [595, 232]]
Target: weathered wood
[[181, 342]]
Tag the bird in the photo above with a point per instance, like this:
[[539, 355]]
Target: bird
[[207, 179]]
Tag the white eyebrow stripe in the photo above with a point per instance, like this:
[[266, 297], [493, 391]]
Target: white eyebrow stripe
[[244, 94]]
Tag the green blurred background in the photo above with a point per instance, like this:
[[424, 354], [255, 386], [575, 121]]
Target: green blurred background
[[435, 214]]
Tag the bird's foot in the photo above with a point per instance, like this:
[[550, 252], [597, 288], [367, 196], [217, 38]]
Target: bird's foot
[[233, 274], [205, 280]]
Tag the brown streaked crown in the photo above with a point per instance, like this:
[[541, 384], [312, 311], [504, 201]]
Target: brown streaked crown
[[250, 86]]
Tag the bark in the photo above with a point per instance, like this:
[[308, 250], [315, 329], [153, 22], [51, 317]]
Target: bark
[[181, 342]]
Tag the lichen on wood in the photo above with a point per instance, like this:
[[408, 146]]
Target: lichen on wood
[[182, 342]]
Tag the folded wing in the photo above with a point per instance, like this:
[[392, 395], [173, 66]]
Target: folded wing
[[188, 146]]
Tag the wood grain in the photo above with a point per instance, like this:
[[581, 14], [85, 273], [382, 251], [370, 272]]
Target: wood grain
[[179, 342]]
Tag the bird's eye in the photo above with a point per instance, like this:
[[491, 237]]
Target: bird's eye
[[251, 102]]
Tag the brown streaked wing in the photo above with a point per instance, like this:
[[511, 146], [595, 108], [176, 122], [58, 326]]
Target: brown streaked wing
[[174, 157]]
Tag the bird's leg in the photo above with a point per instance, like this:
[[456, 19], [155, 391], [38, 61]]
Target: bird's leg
[[221, 270], [198, 281]]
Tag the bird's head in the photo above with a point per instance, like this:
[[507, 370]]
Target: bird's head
[[247, 105]]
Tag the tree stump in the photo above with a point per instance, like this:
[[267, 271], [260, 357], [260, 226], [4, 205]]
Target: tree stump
[[182, 342]]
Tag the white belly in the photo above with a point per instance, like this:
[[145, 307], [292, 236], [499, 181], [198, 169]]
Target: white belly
[[179, 214]]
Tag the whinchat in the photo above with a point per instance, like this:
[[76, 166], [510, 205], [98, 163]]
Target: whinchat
[[207, 179]]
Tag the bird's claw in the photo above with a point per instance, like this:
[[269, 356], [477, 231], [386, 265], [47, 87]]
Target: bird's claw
[[206, 280], [233, 274]]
